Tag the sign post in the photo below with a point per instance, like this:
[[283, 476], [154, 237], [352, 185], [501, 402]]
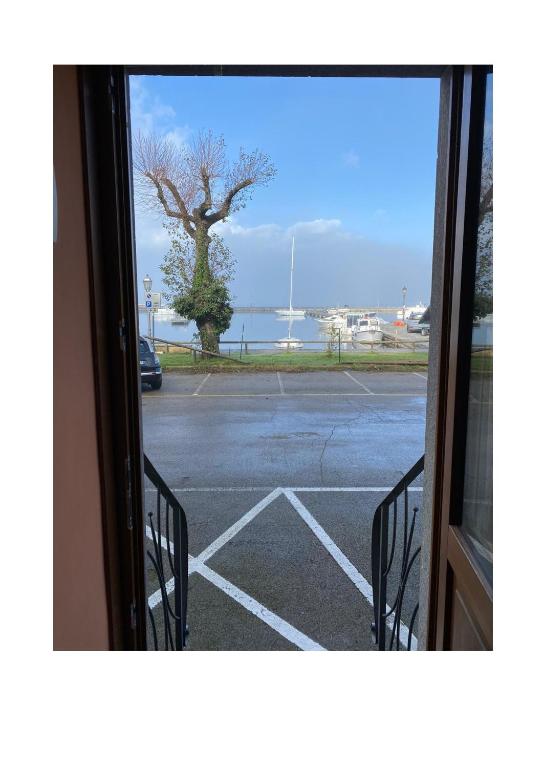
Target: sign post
[[149, 308]]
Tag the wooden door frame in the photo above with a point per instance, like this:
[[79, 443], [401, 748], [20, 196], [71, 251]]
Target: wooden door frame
[[105, 119], [459, 257], [105, 126]]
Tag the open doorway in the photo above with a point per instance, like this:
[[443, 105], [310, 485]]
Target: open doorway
[[281, 418]]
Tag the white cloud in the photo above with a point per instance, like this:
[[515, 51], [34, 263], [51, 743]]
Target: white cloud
[[333, 265], [315, 227], [149, 114], [231, 227]]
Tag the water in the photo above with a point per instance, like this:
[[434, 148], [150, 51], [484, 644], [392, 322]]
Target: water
[[253, 326]]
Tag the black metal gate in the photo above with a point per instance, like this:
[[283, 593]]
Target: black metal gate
[[387, 565], [169, 629]]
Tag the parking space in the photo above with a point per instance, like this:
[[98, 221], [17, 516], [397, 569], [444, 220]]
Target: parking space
[[321, 382], [279, 489], [391, 383], [242, 384]]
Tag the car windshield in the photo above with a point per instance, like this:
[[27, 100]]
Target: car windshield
[[144, 347]]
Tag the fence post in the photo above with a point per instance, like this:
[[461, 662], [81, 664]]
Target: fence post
[[178, 581], [382, 584]]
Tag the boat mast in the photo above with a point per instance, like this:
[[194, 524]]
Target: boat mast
[[291, 272]]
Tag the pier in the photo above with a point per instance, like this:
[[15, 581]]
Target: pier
[[321, 311]]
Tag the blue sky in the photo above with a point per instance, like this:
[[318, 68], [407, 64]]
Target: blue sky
[[355, 182]]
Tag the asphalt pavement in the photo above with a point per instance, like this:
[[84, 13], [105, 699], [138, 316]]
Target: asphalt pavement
[[279, 475]]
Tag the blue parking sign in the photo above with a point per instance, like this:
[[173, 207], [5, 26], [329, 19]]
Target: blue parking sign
[[149, 304]]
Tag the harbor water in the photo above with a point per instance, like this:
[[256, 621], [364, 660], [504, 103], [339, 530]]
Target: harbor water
[[251, 326]]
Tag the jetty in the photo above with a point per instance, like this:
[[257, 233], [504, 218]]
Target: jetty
[[322, 311]]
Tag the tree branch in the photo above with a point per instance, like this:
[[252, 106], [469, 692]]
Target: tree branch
[[224, 210], [206, 186], [183, 213]]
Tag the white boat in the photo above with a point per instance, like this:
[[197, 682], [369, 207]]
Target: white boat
[[340, 324], [409, 311], [289, 342], [169, 315], [367, 329], [290, 312]]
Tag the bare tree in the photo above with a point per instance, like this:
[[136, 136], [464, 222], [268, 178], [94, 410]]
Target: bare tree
[[198, 187]]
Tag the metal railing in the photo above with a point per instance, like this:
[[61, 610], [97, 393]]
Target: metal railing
[[386, 567], [172, 572], [241, 346]]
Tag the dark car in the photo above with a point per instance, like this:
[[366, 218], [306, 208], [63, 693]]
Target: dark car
[[419, 322], [151, 372]]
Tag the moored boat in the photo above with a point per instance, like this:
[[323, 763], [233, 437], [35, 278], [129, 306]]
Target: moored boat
[[367, 329], [290, 312]]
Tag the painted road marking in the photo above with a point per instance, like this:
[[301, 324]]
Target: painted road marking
[[344, 563], [280, 380], [197, 391], [300, 489], [197, 565], [366, 389], [156, 597], [290, 394], [241, 523], [419, 374], [282, 627]]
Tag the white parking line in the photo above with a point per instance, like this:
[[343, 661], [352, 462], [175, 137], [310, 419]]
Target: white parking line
[[197, 565], [289, 394], [366, 389], [281, 388], [197, 391], [419, 374], [282, 627], [156, 597], [300, 489], [238, 525], [344, 563]]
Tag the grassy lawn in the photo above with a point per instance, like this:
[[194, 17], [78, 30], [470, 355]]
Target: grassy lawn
[[298, 361], [482, 363]]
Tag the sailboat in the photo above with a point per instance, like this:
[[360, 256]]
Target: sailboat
[[291, 312], [290, 342]]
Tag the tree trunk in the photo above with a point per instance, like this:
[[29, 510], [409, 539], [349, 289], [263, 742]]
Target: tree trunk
[[202, 276], [208, 336]]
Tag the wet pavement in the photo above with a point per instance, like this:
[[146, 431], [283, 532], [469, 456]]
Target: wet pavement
[[279, 475]]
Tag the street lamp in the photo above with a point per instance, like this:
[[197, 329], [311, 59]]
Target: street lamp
[[148, 284], [404, 292]]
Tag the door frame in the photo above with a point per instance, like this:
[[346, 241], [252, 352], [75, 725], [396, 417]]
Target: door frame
[[106, 140], [447, 540]]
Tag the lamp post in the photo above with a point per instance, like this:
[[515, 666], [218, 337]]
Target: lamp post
[[148, 284], [404, 292]]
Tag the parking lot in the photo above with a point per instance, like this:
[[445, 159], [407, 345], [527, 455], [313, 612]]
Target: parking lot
[[279, 475]]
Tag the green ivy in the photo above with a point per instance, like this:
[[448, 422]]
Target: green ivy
[[207, 301]]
